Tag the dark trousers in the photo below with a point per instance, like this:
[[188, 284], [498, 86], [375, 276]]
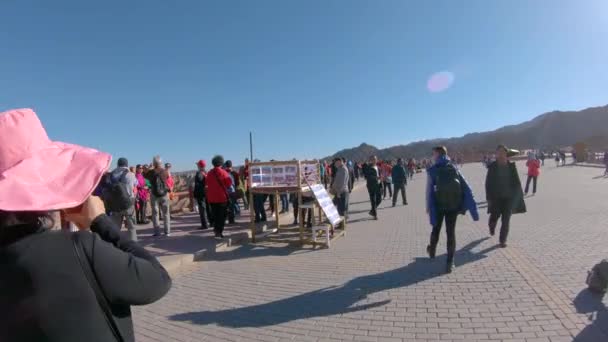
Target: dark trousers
[[388, 186], [284, 202], [351, 182], [374, 197], [341, 201], [450, 230], [501, 208], [399, 188], [202, 211], [258, 207], [140, 214], [531, 178], [219, 210]]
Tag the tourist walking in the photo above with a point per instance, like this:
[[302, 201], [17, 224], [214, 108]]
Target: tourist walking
[[160, 196], [503, 193], [399, 176], [218, 182], [143, 196], [533, 173], [447, 195], [52, 279], [200, 193], [351, 176], [129, 181], [542, 157], [386, 170], [606, 163], [340, 186], [372, 176]]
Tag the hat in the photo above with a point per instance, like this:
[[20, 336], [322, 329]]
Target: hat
[[40, 174], [201, 163]]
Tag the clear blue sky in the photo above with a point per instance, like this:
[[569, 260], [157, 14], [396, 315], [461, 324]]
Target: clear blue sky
[[190, 78]]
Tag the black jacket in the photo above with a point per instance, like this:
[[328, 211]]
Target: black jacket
[[371, 176], [399, 175], [492, 192], [45, 296], [200, 191]]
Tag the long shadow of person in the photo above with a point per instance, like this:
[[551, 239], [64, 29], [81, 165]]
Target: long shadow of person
[[591, 304], [349, 297]]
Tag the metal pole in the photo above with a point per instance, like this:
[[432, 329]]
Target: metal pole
[[251, 147]]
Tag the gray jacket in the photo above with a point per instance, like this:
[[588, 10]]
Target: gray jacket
[[340, 184]]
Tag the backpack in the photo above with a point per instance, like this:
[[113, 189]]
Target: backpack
[[115, 193], [597, 278], [448, 189], [159, 188]]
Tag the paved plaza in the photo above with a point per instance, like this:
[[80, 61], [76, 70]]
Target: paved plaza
[[377, 284]]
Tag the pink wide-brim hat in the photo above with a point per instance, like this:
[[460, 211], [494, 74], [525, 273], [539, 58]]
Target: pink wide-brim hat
[[37, 174]]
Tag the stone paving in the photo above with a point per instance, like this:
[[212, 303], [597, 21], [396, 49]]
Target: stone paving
[[376, 283]]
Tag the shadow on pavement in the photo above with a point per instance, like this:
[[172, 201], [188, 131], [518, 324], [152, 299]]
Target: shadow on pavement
[[255, 251], [349, 297], [591, 304]]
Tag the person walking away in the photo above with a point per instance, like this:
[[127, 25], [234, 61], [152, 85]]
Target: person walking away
[[557, 160], [160, 196], [356, 170], [218, 182], [351, 176], [385, 173], [399, 180], [411, 168], [50, 277], [123, 212], [533, 173], [542, 157], [503, 193], [340, 185], [562, 156], [143, 196], [447, 195], [372, 176], [200, 192], [233, 205], [606, 163]]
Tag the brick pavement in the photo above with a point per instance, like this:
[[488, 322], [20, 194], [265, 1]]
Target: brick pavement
[[376, 284]]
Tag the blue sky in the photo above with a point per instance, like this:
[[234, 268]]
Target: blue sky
[[190, 78]]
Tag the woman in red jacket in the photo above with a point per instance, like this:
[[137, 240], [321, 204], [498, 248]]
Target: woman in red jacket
[[218, 182], [533, 165]]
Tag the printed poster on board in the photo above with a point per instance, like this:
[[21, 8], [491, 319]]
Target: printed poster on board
[[326, 204]]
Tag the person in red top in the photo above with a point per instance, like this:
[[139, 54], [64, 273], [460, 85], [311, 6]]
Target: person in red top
[[533, 165], [218, 183]]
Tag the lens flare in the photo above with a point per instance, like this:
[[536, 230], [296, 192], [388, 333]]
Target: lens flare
[[440, 81]]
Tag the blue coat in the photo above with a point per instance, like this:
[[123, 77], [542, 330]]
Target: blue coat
[[468, 204]]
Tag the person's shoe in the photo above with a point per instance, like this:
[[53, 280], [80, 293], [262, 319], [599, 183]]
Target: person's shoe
[[450, 268], [156, 234], [167, 234], [376, 217], [203, 228], [503, 245], [309, 225], [394, 205], [295, 223], [430, 251], [405, 203], [371, 213]]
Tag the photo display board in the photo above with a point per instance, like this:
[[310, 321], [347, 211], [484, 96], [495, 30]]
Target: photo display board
[[326, 204], [276, 175], [310, 173]]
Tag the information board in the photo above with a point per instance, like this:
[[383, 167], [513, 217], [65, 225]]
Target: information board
[[310, 173], [326, 204], [277, 175]]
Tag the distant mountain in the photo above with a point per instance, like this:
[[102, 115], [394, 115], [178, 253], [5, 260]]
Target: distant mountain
[[548, 131]]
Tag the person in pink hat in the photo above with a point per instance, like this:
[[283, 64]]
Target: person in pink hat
[[57, 285]]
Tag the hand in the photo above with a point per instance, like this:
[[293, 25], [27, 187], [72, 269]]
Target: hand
[[84, 215]]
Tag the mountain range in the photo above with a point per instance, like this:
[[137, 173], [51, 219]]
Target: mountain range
[[549, 131]]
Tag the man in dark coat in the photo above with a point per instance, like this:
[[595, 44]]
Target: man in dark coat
[[372, 176], [399, 176], [503, 193]]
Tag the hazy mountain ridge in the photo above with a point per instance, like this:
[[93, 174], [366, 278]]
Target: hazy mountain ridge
[[547, 131]]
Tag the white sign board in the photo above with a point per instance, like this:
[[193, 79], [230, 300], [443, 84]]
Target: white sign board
[[326, 204], [273, 175]]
